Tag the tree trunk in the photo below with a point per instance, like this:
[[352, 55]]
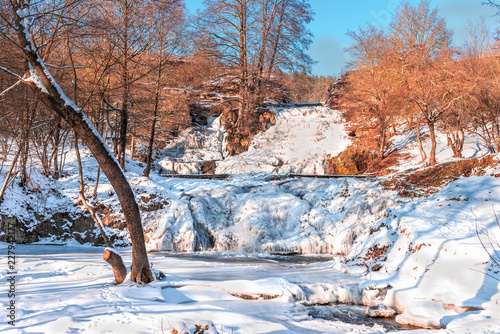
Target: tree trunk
[[110, 254], [149, 160], [9, 174], [116, 262], [97, 181], [432, 156], [132, 147], [126, 88], [383, 138], [243, 62], [266, 29], [25, 147], [57, 141], [276, 40], [47, 89], [423, 155]]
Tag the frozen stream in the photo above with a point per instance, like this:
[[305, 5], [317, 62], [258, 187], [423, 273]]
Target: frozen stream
[[300, 270], [65, 289]]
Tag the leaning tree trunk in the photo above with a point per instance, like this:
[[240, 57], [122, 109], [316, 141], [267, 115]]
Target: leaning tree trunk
[[47, 89]]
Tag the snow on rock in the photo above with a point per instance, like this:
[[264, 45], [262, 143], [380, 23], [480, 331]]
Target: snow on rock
[[194, 146], [425, 314], [380, 311], [300, 142]]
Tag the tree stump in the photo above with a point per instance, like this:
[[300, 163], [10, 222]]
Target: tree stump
[[115, 260]]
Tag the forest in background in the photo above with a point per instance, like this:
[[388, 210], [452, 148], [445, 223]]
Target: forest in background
[[144, 70], [412, 77], [137, 69]]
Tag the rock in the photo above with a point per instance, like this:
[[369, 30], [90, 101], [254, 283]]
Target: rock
[[374, 295], [425, 322], [380, 311], [425, 314]]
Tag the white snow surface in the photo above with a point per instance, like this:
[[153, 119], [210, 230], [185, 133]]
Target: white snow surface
[[70, 290], [434, 270]]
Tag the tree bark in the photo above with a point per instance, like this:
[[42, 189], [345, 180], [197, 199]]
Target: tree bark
[[116, 262], [57, 141], [149, 160], [9, 174], [47, 89], [432, 156], [126, 88], [382, 142], [420, 143]]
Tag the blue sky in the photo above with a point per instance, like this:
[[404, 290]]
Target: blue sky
[[334, 17]]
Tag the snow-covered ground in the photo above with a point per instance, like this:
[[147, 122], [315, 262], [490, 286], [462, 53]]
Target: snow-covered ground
[[70, 290], [405, 142], [419, 256]]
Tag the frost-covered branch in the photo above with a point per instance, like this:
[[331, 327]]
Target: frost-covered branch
[[11, 73], [11, 87]]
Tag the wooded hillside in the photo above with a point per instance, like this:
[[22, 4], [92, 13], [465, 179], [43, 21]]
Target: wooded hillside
[[411, 76]]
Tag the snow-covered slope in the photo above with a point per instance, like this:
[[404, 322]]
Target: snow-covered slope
[[406, 143], [299, 142]]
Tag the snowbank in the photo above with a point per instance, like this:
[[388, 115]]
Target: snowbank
[[428, 251]]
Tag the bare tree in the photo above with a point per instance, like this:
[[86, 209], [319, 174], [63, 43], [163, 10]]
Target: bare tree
[[169, 35], [253, 39], [123, 27], [423, 48], [375, 91], [290, 38], [40, 80]]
